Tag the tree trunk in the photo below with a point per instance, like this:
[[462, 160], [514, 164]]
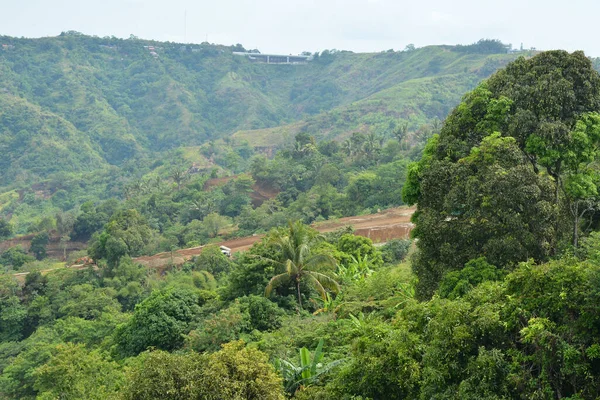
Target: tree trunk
[[576, 227], [298, 289]]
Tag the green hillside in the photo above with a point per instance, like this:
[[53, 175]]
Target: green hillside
[[496, 298], [79, 103]]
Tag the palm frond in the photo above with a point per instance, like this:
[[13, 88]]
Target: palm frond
[[266, 259], [302, 253], [291, 268], [318, 260], [325, 281], [317, 285], [276, 281]]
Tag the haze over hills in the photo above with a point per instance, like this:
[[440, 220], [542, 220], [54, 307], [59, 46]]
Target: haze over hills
[[75, 103]]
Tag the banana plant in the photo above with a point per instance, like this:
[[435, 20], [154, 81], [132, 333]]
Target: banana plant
[[307, 372], [328, 304], [357, 269]]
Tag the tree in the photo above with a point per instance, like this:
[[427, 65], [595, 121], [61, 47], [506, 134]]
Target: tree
[[212, 260], [237, 195], [361, 188], [89, 221], [161, 375], [479, 187], [38, 245], [6, 229], [580, 178], [15, 257], [296, 255], [12, 312], [395, 250], [401, 132], [127, 233], [64, 226], [159, 321], [490, 203], [358, 247], [457, 283], [75, 373], [179, 175], [213, 223], [241, 373]]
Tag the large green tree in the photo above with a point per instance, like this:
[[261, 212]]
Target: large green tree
[[159, 321], [126, 234], [509, 162]]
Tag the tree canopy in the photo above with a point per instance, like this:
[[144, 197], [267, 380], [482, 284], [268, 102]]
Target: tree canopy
[[509, 163]]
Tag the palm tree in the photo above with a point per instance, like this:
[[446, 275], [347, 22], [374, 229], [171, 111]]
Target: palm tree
[[297, 257], [348, 147]]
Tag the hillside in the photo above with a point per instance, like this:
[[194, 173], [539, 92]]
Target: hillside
[[80, 103], [133, 162]]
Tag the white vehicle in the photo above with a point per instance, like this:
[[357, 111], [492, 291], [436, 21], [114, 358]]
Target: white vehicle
[[225, 250]]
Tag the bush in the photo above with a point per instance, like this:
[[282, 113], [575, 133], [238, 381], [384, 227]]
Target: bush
[[264, 314], [395, 251], [15, 257], [212, 260], [159, 321], [358, 247]]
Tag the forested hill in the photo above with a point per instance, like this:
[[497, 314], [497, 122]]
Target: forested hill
[[76, 103]]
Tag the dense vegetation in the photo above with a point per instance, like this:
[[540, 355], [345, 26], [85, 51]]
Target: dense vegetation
[[513, 173], [497, 299]]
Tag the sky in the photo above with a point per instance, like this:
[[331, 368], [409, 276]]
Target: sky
[[293, 26]]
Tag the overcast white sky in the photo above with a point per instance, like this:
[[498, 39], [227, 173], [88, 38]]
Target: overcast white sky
[[292, 26]]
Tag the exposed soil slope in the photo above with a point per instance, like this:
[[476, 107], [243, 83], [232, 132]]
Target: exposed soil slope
[[381, 227]]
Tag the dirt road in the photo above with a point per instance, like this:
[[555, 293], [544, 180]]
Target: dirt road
[[381, 227]]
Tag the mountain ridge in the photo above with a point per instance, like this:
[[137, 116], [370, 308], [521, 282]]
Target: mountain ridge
[[122, 102]]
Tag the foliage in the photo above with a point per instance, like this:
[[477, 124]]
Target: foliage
[[483, 46], [308, 370], [251, 271], [239, 373], [295, 248], [480, 190], [159, 321], [355, 270], [126, 234], [38, 245], [245, 315], [75, 373], [511, 176], [12, 312], [15, 257], [212, 260], [457, 283], [264, 314], [213, 223], [394, 251], [6, 229], [222, 327], [159, 374], [354, 248]]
